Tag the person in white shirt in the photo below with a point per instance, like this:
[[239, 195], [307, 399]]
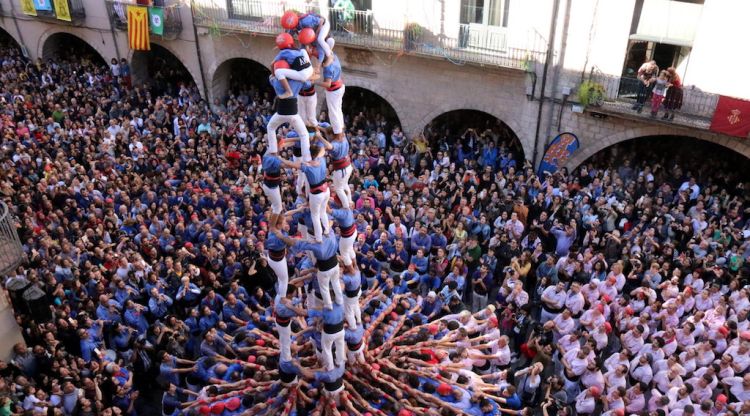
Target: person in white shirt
[[575, 300], [562, 325], [635, 401], [553, 302], [640, 368], [679, 397], [739, 387], [586, 401]]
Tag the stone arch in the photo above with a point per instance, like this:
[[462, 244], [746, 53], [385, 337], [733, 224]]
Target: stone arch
[[142, 62], [222, 75], [509, 120], [52, 44], [589, 149], [509, 123], [389, 110], [5, 33], [353, 81]]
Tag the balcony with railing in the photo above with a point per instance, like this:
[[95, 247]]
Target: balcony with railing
[[118, 15], [617, 95], [76, 10], [478, 44]]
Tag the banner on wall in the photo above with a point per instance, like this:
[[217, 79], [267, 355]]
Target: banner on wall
[[558, 152], [138, 28], [45, 5], [62, 10], [27, 7], [156, 18], [732, 117]]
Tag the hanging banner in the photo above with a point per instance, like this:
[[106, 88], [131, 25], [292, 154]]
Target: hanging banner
[[156, 17], [138, 28], [732, 117], [27, 7], [558, 152], [62, 9], [44, 5]]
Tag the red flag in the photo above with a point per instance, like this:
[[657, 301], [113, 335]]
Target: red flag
[[732, 117]]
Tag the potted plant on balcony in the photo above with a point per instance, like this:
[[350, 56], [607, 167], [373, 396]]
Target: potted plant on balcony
[[591, 93], [412, 35]]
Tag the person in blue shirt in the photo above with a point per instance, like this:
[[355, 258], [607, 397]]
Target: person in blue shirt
[[341, 162], [159, 304], [318, 193], [354, 337], [272, 184], [320, 27], [168, 367], [352, 284], [332, 337], [89, 348], [134, 317], [235, 312], [209, 319], [344, 218], [431, 306], [327, 263], [420, 262], [286, 111], [276, 249], [188, 295], [297, 68], [421, 240], [285, 310]]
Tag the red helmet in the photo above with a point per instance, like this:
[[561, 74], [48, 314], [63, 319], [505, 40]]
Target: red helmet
[[289, 20], [306, 36], [217, 408], [280, 64], [284, 41]]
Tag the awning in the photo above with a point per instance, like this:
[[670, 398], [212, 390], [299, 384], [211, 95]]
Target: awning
[[667, 21]]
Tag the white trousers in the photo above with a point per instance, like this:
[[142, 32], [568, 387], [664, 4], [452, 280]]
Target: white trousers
[[295, 121], [352, 311], [300, 185], [334, 101], [325, 280], [318, 203], [274, 197], [329, 342], [282, 275], [341, 185], [322, 44], [285, 340], [307, 107], [346, 248]]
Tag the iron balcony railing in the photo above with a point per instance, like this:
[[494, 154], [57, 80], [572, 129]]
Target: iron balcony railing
[[118, 15], [11, 251], [76, 8], [621, 93], [474, 43]]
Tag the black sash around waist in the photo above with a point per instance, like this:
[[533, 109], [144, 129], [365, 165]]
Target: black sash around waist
[[287, 106], [333, 328], [327, 264]]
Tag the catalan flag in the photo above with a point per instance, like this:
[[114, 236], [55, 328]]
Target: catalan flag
[[138, 28]]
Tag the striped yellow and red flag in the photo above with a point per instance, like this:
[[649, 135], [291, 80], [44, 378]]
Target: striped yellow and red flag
[[138, 28]]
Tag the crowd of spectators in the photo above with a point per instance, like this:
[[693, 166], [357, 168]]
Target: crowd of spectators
[[618, 289]]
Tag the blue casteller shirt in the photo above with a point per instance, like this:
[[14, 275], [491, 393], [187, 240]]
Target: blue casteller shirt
[[271, 164], [353, 336], [332, 71], [315, 174], [352, 281], [340, 149], [274, 243], [343, 217], [323, 250], [333, 316], [282, 310], [310, 20], [294, 85], [329, 376]]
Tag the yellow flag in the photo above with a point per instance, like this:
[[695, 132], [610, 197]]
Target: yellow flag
[[138, 28], [62, 10], [27, 6]]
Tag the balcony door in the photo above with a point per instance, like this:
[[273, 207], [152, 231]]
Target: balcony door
[[483, 24]]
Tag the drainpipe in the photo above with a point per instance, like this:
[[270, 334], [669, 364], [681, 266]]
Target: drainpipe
[[558, 69], [547, 60], [198, 50]]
